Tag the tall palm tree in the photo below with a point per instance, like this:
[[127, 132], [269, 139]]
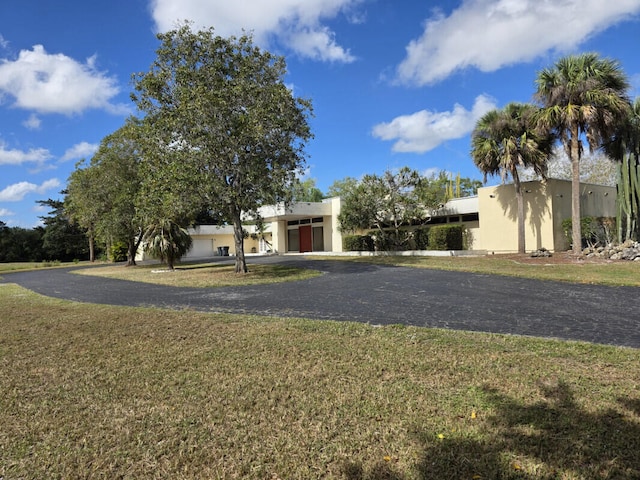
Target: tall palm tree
[[504, 141], [583, 97], [166, 241]]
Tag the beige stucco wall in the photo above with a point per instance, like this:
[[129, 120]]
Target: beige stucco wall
[[328, 209], [279, 229], [333, 236], [546, 206], [209, 237]]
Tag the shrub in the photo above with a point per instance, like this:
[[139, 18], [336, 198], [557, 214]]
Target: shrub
[[446, 237], [118, 252], [357, 243], [388, 240], [421, 238], [595, 230]]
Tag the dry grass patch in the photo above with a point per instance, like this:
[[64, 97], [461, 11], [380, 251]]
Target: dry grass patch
[[560, 267], [94, 391], [203, 275]]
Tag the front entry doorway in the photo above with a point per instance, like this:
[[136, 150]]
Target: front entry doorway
[[306, 240]]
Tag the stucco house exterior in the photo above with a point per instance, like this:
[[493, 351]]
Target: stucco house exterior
[[490, 220], [546, 204]]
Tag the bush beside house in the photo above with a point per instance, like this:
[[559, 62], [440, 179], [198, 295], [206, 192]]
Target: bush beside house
[[446, 237]]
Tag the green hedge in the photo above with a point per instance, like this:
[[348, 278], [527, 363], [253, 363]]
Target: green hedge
[[446, 237], [357, 243], [421, 238]]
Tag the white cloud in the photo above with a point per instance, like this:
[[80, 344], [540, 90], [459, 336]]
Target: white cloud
[[80, 151], [422, 131], [17, 157], [490, 34], [294, 23], [4, 212], [3, 42], [17, 191], [33, 122], [55, 83]]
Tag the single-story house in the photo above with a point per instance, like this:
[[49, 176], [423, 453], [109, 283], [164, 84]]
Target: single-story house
[[546, 205], [490, 219]]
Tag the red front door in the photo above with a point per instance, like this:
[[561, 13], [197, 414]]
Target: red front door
[[306, 243]]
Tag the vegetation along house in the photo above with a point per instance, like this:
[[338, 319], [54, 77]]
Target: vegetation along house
[[490, 219]]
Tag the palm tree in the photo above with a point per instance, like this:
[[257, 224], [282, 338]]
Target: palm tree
[[504, 141], [583, 97], [166, 241]]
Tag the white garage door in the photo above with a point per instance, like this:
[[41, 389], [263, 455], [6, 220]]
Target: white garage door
[[202, 247]]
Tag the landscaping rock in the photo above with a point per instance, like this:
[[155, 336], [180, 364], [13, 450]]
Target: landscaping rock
[[628, 250], [541, 252]]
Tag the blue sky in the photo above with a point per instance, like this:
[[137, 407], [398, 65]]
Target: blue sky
[[393, 82]]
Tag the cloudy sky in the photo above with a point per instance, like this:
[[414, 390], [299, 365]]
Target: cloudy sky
[[393, 82]]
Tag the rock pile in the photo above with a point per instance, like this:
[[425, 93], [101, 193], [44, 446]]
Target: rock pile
[[628, 250], [541, 252]]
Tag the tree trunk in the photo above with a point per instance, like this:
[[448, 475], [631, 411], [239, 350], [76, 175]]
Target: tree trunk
[[131, 252], [238, 239], [92, 248], [520, 201], [576, 230]]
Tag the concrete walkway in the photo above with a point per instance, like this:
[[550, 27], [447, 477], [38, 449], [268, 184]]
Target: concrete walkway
[[385, 295]]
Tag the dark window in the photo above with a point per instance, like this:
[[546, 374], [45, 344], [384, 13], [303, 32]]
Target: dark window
[[293, 240], [305, 221], [470, 217]]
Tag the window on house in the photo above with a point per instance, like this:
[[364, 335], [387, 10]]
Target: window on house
[[293, 240], [470, 217]]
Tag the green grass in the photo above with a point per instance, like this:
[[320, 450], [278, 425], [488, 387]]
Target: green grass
[[203, 275], [612, 273], [92, 391], [14, 266]]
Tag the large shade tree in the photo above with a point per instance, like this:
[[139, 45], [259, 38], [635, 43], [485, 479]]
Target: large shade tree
[[103, 196], [82, 202], [584, 98], [223, 130], [505, 141]]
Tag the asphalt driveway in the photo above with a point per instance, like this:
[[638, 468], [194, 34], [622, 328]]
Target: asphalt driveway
[[385, 295]]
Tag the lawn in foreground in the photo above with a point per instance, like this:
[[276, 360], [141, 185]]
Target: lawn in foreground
[[94, 391]]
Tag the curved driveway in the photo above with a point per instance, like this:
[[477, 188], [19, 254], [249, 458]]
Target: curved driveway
[[385, 295]]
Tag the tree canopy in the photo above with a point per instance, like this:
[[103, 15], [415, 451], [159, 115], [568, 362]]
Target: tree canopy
[[507, 140], [583, 97], [393, 200], [103, 197], [222, 130]]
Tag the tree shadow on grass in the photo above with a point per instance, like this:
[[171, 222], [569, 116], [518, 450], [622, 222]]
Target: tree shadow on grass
[[549, 439], [552, 438]]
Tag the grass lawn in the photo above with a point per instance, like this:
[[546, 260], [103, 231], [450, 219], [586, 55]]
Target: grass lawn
[[14, 266], [91, 391], [202, 274], [561, 267]]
